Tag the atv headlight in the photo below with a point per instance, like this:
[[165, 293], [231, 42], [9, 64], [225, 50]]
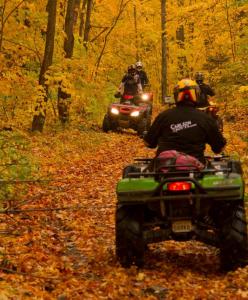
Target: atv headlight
[[145, 97], [114, 111], [135, 113]]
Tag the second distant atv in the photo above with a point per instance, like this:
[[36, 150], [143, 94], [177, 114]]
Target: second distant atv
[[131, 112]]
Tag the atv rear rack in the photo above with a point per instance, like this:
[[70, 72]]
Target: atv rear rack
[[178, 172]]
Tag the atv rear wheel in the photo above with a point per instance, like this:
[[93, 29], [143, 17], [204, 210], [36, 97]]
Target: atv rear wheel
[[233, 248], [130, 246]]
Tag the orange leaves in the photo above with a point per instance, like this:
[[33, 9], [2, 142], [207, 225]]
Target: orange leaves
[[71, 253]]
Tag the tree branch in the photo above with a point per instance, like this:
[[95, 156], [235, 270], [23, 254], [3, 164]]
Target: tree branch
[[28, 48], [99, 34], [11, 12], [121, 9]]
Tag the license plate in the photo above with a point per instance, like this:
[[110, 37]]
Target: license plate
[[182, 226], [124, 123]]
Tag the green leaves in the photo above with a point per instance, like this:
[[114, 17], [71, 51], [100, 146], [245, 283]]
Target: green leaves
[[16, 164]]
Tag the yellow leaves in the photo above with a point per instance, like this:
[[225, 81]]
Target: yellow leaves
[[242, 294], [5, 88], [39, 101], [243, 89], [141, 276], [4, 295]]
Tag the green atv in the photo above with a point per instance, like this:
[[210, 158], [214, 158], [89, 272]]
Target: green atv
[[181, 205]]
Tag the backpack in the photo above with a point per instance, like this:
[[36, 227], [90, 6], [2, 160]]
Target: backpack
[[173, 160]]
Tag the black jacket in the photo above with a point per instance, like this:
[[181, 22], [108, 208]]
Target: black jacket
[[185, 129], [143, 77], [205, 91], [131, 84]]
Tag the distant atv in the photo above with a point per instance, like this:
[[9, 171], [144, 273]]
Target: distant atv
[[131, 112], [161, 200]]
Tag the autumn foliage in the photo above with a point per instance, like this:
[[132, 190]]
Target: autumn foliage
[[201, 35]]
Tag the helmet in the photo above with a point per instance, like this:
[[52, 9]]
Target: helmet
[[139, 64], [199, 76], [131, 69], [186, 89]]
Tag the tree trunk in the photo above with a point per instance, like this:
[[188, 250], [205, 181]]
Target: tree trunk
[[63, 97], [77, 8], [182, 66], [136, 32], [40, 109], [87, 23], [81, 26], [69, 22], [164, 63]]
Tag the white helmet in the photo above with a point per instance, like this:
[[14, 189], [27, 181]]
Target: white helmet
[[139, 64]]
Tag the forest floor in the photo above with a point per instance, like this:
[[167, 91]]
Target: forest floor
[[69, 253]]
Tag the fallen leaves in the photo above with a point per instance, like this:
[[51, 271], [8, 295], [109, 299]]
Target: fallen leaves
[[70, 254]]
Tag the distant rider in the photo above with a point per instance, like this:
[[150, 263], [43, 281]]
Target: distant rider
[[205, 91], [184, 128], [130, 83], [142, 74]]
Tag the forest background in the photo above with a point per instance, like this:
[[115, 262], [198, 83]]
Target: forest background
[[208, 36], [62, 61]]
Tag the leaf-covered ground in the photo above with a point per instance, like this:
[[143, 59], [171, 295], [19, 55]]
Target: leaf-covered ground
[[70, 253]]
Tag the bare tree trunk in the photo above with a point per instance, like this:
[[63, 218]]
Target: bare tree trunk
[[136, 31], [77, 8], [164, 62], [40, 109], [69, 23], [81, 26], [232, 35], [182, 67], [87, 23], [63, 97]]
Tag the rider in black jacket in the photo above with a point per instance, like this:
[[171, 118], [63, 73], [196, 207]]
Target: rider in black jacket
[[131, 83], [205, 90], [184, 128], [142, 74]]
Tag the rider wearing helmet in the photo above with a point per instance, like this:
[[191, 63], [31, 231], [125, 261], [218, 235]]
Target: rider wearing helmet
[[184, 128], [205, 90], [142, 74], [130, 83]]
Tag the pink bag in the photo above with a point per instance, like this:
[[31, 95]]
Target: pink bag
[[181, 160]]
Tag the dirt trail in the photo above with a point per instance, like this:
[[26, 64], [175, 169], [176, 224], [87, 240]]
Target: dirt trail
[[69, 254]]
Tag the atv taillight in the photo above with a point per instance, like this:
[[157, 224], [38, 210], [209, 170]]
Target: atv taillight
[[179, 186], [128, 97]]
